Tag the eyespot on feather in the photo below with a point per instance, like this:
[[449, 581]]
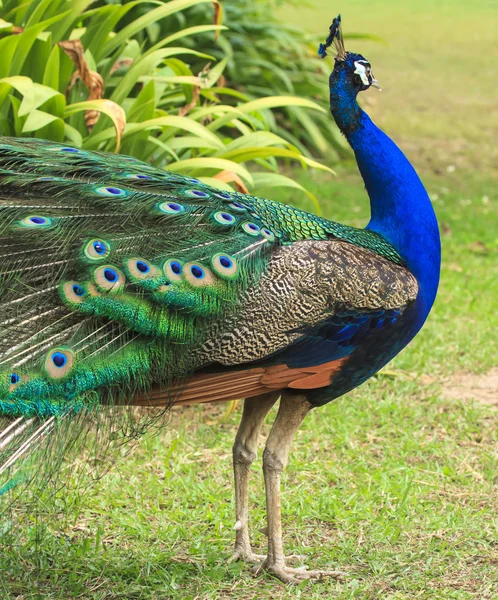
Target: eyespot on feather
[[138, 176], [36, 222], [15, 380], [72, 292], [140, 269], [223, 195], [97, 250], [196, 194], [109, 279], [70, 150], [173, 269], [224, 218], [251, 228], [111, 191], [58, 363], [225, 266], [92, 290], [198, 275], [237, 207], [269, 235], [171, 208]]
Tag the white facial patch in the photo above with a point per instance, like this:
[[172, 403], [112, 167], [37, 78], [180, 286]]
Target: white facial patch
[[361, 71]]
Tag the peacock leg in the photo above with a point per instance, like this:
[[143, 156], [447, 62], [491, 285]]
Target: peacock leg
[[292, 410], [244, 453]]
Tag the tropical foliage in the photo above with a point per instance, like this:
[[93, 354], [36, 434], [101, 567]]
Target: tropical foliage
[[261, 55], [78, 71]]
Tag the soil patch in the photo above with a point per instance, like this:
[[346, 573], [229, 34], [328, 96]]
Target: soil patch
[[468, 386]]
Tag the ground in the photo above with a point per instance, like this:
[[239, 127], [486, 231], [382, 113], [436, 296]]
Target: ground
[[395, 483]]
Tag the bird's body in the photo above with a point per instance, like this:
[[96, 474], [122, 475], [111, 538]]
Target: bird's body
[[124, 284], [306, 293]]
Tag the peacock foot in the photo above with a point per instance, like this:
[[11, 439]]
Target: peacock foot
[[291, 575], [244, 552]]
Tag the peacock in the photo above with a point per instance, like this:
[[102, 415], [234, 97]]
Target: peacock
[[125, 285]]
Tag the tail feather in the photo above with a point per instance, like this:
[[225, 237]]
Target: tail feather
[[13, 430], [29, 445]]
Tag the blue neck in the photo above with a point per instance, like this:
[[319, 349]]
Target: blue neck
[[401, 210]]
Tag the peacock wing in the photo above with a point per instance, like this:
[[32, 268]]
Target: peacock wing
[[323, 314]]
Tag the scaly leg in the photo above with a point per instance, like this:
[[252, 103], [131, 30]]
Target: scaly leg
[[244, 453], [292, 410]]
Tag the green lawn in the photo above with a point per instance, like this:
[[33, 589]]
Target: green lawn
[[394, 483]]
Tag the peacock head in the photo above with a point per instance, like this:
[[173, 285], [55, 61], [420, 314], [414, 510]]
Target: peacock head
[[352, 72]]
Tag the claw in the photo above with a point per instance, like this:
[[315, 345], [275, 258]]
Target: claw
[[290, 575], [247, 555]]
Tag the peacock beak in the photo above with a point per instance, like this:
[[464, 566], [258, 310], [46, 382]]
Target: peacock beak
[[375, 84]]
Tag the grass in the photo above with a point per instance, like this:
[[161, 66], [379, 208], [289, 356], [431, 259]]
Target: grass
[[394, 483]]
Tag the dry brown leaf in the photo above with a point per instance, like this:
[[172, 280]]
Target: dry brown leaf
[[218, 17], [231, 177], [119, 119], [192, 104], [93, 80]]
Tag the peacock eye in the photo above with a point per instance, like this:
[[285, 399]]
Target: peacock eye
[[78, 290], [171, 208], [225, 266], [58, 363], [36, 221], [140, 269], [173, 269], [96, 249], [198, 275], [109, 278]]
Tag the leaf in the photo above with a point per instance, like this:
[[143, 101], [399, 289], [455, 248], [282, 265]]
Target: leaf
[[73, 135], [210, 163], [26, 41], [52, 68], [37, 119], [35, 96], [144, 66], [186, 142], [6, 27], [231, 177], [77, 7], [183, 123], [151, 17], [182, 33], [7, 49], [107, 107], [279, 101], [216, 183], [212, 75], [218, 16], [257, 139]]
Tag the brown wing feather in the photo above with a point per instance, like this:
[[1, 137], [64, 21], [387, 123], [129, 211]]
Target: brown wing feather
[[231, 385]]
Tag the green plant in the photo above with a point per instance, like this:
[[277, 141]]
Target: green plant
[[260, 55], [151, 103]]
